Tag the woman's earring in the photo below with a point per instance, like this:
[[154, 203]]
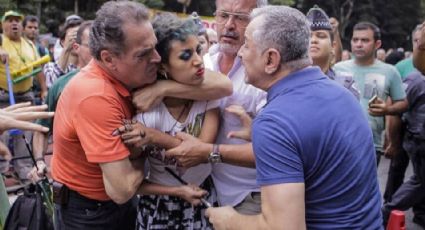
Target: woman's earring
[[164, 74]]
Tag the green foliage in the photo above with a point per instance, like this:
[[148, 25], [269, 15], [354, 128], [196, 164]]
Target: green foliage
[[155, 4], [282, 2], [395, 18]]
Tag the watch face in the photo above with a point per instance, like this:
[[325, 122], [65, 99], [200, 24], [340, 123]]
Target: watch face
[[214, 158]]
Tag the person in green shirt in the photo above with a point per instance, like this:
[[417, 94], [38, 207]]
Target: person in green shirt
[[81, 48], [405, 67], [376, 81]]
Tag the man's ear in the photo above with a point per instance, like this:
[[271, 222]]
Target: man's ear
[[333, 51], [108, 59], [272, 60], [76, 47]]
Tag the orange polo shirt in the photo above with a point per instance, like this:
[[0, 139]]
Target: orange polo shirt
[[91, 106]]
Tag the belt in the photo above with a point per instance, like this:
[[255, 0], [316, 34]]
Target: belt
[[87, 201], [63, 195]]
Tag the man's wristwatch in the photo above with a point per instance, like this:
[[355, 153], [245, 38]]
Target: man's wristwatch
[[215, 156]]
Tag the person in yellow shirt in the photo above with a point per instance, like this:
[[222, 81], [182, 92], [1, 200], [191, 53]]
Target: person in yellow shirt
[[20, 52]]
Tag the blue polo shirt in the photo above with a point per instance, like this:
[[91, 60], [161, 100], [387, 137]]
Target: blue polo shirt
[[314, 131]]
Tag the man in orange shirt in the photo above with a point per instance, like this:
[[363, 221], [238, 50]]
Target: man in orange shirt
[[94, 176]]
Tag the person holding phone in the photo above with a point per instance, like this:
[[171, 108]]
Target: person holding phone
[[373, 78]]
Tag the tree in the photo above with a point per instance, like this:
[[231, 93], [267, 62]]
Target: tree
[[282, 2], [396, 19], [155, 4]]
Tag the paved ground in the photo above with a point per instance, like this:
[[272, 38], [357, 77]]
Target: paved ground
[[382, 176]]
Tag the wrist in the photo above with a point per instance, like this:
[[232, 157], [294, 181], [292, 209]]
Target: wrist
[[163, 88], [39, 159], [152, 137], [215, 155], [206, 151], [389, 110], [177, 191]]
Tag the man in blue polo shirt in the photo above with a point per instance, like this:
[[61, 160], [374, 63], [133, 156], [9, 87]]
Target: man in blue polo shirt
[[315, 161]]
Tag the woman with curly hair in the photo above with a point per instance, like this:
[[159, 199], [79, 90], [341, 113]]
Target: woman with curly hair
[[165, 203]]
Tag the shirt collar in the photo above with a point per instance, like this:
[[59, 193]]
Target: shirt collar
[[293, 80], [237, 63], [117, 85], [331, 73]]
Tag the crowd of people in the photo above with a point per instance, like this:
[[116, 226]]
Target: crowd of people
[[264, 123]]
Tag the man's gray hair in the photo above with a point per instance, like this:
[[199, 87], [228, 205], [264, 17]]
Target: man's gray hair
[[107, 29], [285, 29]]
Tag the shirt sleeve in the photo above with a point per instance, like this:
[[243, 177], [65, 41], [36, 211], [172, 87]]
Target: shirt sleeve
[[212, 104], [95, 120], [396, 87], [277, 154], [51, 102]]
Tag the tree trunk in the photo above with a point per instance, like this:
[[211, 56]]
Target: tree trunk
[[76, 7]]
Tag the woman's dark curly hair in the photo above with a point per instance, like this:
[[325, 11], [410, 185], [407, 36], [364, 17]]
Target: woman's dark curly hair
[[168, 28]]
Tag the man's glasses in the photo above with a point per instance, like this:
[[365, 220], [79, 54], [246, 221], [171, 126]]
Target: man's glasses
[[241, 19]]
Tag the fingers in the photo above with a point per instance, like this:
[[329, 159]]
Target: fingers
[[32, 175], [4, 58], [375, 112], [42, 168], [241, 113], [208, 212], [236, 109], [183, 136], [36, 175], [171, 153], [378, 104], [240, 135], [136, 142], [378, 101], [31, 108], [26, 125], [17, 106], [132, 130], [199, 193], [30, 116], [128, 126]]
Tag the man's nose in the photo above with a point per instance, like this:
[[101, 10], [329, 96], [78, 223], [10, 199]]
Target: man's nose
[[156, 58], [230, 23]]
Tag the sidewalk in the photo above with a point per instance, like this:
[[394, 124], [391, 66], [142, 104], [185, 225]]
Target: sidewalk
[[382, 178]]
